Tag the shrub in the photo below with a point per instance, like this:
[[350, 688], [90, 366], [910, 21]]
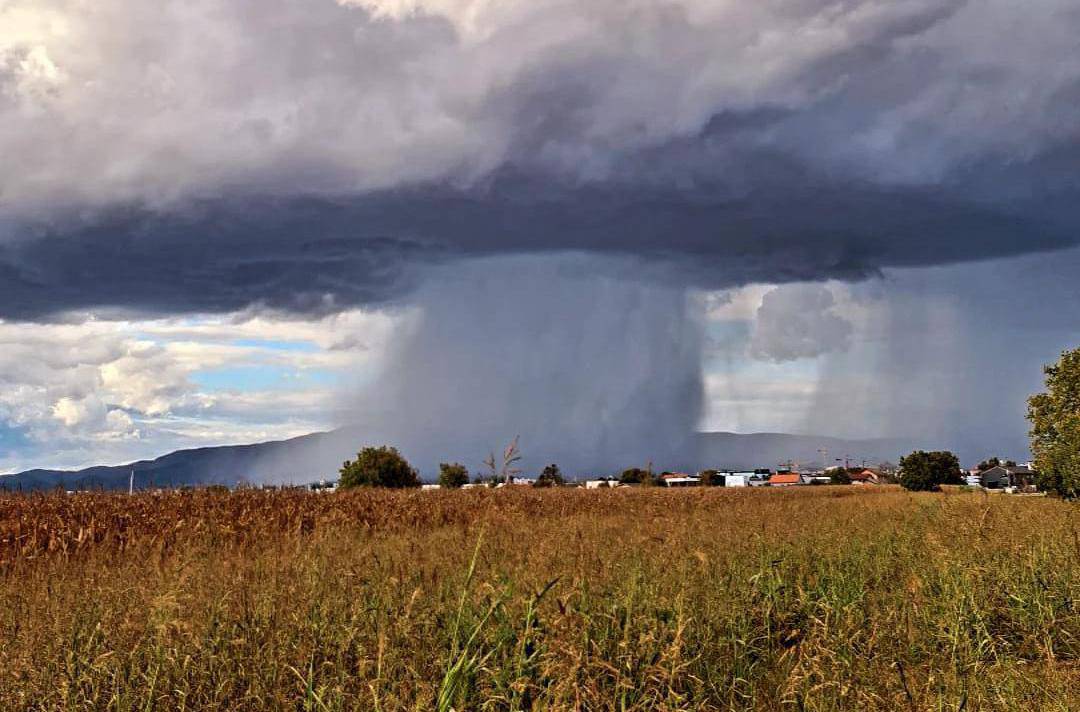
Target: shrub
[[711, 478], [634, 476], [927, 471], [378, 467], [453, 476], [550, 477]]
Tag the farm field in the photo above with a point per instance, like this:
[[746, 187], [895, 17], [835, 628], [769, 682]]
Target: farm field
[[822, 598]]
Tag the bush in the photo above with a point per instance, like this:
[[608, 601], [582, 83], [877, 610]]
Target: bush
[[550, 477], [633, 476], [927, 471], [378, 467], [711, 478], [453, 476]]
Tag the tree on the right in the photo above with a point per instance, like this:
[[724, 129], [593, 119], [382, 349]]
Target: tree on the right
[[1055, 427]]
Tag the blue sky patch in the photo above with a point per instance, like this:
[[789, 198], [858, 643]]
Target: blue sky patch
[[305, 347], [260, 377], [11, 439]]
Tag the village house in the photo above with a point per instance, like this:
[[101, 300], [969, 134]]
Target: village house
[[678, 479], [733, 478], [785, 479], [517, 482], [866, 476], [1002, 476]]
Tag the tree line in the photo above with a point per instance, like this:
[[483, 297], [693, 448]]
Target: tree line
[[384, 466]]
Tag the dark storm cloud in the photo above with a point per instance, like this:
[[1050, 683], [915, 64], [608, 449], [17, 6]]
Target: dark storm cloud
[[310, 155], [300, 257], [315, 255]]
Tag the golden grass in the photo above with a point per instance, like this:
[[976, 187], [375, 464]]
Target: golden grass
[[810, 599]]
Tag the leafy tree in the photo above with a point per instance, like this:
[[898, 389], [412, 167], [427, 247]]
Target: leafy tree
[[635, 476], [550, 477], [453, 476], [840, 476], [1055, 427], [948, 464], [711, 478], [378, 467], [927, 471], [988, 464]]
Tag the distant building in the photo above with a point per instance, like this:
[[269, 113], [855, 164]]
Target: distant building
[[785, 479], [678, 479], [865, 476], [517, 482], [1002, 476], [760, 478], [733, 478], [815, 478]]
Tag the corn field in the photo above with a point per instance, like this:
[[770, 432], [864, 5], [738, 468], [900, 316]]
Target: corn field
[[812, 599]]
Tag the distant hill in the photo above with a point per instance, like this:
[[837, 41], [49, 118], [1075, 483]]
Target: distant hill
[[318, 456], [304, 459]]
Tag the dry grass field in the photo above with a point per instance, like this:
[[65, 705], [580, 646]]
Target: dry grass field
[[810, 599]]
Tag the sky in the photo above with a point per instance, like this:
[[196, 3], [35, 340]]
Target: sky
[[598, 225]]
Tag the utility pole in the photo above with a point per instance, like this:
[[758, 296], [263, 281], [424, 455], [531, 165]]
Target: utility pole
[[824, 452], [131, 482]]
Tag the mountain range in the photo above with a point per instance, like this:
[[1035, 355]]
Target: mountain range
[[314, 457]]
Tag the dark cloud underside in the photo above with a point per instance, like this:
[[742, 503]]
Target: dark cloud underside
[[313, 255]]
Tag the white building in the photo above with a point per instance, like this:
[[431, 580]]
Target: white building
[[681, 481], [737, 478], [517, 481]]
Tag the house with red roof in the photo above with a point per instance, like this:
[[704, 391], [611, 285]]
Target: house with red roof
[[785, 479], [865, 476]]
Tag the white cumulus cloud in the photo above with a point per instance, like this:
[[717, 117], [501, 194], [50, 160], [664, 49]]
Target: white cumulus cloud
[[798, 321], [104, 391]]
